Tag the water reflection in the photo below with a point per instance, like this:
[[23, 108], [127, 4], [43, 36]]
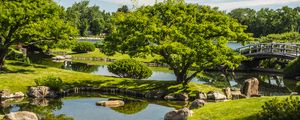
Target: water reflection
[[70, 108], [270, 84]]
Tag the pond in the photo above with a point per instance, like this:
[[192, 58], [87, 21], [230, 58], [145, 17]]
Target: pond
[[85, 108], [270, 84]]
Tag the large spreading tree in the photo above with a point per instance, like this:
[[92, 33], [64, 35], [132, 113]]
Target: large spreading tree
[[188, 37], [39, 22]]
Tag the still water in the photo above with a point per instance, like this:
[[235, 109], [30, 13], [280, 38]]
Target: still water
[[85, 108]]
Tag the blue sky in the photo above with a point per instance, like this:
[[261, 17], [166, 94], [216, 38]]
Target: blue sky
[[113, 5]]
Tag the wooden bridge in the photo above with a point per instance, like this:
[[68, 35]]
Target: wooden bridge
[[271, 50]]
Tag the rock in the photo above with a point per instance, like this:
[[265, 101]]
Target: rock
[[68, 57], [181, 114], [182, 97], [58, 58], [215, 96], [156, 94], [41, 92], [250, 87], [201, 96], [23, 115], [112, 103], [237, 95], [227, 92], [5, 94], [19, 95], [169, 97], [197, 104]]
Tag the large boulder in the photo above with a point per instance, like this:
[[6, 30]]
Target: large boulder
[[182, 97], [215, 96], [197, 104], [181, 114], [228, 93], [159, 94], [41, 92], [250, 87], [201, 96], [5, 94], [111, 103], [236, 94], [23, 115]]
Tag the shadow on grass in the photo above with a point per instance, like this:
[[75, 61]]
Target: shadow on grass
[[24, 71], [22, 64]]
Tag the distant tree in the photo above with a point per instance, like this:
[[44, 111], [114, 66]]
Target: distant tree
[[186, 36], [124, 9], [27, 22], [293, 37], [88, 19], [268, 21]]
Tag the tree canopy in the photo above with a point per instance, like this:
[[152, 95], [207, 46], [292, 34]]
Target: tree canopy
[[268, 21], [89, 20], [186, 36], [293, 37], [38, 22]]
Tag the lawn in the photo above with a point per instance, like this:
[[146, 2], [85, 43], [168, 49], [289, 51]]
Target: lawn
[[20, 76], [243, 109]]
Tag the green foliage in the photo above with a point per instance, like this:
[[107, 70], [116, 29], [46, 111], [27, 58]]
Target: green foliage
[[293, 37], [29, 22], [124, 9], [268, 21], [99, 44], [53, 82], [287, 109], [84, 47], [293, 69], [88, 19], [129, 68], [184, 35], [132, 107]]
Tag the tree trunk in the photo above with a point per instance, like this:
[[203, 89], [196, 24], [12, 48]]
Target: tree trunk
[[3, 53]]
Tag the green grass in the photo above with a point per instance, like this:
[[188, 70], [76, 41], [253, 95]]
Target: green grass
[[20, 76], [243, 109], [118, 56]]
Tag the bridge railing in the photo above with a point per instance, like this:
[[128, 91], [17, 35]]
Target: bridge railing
[[287, 49]]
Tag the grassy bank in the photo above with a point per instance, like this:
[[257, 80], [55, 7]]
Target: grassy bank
[[98, 54], [243, 109], [20, 76]]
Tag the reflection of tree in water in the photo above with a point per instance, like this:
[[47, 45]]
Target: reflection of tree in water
[[131, 107], [45, 112], [216, 79], [270, 84], [81, 67]]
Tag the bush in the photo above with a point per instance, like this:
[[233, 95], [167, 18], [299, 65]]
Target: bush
[[286, 109], [129, 68], [55, 83], [84, 47], [293, 69]]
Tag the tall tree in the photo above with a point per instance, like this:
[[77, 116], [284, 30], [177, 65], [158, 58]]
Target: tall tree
[[124, 8], [88, 20], [186, 36], [31, 22]]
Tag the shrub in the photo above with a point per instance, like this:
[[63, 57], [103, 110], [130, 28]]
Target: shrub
[[293, 69], [84, 47], [55, 83], [286, 109], [129, 68]]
